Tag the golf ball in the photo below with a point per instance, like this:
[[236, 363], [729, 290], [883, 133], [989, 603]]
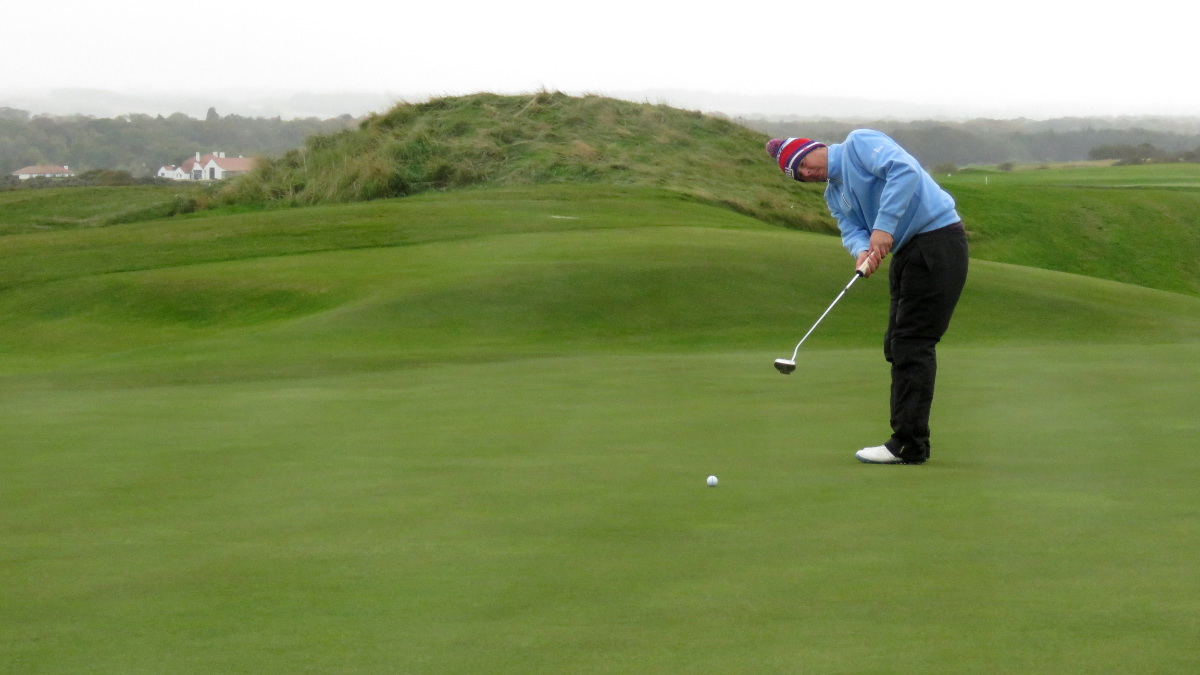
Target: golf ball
[[712, 481]]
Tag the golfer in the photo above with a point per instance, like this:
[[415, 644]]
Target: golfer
[[885, 203]]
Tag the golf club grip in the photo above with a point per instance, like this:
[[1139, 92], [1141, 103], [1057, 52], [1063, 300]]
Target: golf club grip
[[862, 269]]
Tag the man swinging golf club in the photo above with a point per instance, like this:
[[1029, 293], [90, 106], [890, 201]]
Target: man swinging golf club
[[884, 203]]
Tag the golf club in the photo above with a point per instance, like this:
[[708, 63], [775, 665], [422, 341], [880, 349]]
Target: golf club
[[787, 366]]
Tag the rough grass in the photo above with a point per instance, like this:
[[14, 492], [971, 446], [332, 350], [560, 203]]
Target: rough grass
[[539, 138]]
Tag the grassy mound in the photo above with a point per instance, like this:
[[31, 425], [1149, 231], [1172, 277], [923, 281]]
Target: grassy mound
[[540, 138]]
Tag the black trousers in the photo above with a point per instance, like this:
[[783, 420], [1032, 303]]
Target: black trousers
[[926, 278]]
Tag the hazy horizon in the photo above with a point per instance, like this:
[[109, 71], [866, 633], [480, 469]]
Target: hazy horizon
[[302, 104], [933, 58]]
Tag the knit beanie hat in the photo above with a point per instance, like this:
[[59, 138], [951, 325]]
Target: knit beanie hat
[[789, 152]]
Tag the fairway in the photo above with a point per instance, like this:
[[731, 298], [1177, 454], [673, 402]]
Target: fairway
[[469, 432]]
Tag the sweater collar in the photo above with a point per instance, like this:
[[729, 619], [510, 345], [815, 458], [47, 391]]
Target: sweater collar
[[834, 168]]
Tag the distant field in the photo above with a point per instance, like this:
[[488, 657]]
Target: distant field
[[45, 209], [1132, 224], [1095, 174], [468, 432]]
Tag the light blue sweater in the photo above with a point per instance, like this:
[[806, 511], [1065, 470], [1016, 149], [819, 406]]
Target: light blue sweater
[[875, 185]]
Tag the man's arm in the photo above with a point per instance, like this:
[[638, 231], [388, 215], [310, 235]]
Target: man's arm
[[901, 176], [899, 171], [855, 235]]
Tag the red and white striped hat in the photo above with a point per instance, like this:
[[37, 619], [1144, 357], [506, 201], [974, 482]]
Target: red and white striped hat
[[789, 152]]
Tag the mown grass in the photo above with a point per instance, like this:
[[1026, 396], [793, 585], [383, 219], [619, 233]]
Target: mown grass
[[538, 515], [469, 433], [462, 433]]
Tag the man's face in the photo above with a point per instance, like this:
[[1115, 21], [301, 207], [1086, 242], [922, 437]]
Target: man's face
[[814, 167]]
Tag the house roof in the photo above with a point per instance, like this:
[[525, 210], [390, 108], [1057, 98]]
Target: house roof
[[42, 169], [226, 163], [234, 163], [191, 163]]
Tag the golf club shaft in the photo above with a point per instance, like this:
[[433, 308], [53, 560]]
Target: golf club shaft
[[857, 273]]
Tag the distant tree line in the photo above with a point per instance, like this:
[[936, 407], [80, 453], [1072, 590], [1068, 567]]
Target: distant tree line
[[1142, 154], [942, 144], [140, 144]]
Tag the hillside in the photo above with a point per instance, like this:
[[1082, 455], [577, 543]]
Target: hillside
[[540, 138]]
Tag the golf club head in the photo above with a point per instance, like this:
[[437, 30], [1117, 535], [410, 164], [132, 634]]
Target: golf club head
[[785, 366]]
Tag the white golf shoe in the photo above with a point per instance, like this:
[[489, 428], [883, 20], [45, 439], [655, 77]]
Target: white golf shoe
[[877, 455]]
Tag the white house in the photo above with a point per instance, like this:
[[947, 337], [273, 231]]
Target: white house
[[221, 167], [43, 172], [214, 166], [183, 171]]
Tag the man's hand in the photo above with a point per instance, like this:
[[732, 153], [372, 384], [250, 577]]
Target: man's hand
[[881, 245], [867, 262]]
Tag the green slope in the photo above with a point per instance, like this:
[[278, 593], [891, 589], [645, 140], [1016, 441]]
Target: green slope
[[1131, 224], [502, 272]]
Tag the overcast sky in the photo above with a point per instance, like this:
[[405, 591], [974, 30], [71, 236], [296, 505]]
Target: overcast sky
[[1034, 58]]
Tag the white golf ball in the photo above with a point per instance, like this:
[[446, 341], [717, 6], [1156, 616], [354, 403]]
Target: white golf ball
[[712, 481]]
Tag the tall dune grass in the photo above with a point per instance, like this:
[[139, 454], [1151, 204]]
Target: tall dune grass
[[544, 137]]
